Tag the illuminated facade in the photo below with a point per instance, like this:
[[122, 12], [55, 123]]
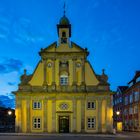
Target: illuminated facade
[[118, 108], [131, 105], [64, 94]]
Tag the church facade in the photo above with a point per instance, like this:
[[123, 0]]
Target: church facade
[[64, 94]]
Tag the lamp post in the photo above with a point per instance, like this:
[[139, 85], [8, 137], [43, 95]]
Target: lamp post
[[117, 119], [10, 119], [117, 113]]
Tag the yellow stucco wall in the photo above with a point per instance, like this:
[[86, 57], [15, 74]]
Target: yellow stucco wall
[[38, 76], [78, 115], [49, 114], [24, 116], [41, 87], [90, 77], [22, 112]]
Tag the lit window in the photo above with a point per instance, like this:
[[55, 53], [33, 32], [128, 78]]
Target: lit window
[[91, 122], [36, 105], [64, 80], [37, 123], [91, 105]]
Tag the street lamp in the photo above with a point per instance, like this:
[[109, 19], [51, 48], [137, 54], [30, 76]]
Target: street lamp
[[9, 120], [118, 113], [9, 112]]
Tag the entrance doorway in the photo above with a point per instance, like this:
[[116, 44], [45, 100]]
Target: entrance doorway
[[119, 126], [63, 124]]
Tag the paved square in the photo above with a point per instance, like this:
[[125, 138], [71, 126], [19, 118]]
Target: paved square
[[20, 136]]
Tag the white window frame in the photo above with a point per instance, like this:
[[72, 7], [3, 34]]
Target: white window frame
[[91, 122], [63, 80], [91, 104], [36, 122], [36, 104]]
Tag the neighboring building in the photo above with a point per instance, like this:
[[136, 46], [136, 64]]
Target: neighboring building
[[7, 119], [64, 94], [118, 107], [131, 109]]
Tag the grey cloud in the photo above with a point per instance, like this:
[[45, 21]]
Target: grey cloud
[[7, 101], [11, 83], [10, 65]]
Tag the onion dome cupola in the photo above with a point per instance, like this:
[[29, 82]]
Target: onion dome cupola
[[64, 29]]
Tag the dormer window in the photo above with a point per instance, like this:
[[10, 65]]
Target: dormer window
[[130, 84], [138, 79]]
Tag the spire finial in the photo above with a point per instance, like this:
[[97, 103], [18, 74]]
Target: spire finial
[[64, 7]]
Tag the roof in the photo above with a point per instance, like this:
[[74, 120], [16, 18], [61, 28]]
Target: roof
[[64, 21], [122, 88], [137, 74], [54, 48]]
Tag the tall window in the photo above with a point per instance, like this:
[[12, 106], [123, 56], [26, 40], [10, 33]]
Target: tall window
[[125, 112], [91, 122], [136, 96], [135, 109], [36, 123], [36, 105], [126, 100], [131, 98], [130, 111], [64, 80], [91, 105]]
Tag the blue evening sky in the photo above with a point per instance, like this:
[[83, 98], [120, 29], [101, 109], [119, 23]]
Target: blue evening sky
[[110, 29]]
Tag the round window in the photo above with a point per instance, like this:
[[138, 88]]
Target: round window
[[64, 106]]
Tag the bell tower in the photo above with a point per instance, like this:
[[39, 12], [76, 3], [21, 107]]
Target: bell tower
[[64, 30]]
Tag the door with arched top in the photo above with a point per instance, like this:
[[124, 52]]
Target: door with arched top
[[63, 124]]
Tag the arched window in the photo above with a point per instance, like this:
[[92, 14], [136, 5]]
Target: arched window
[[64, 80], [63, 34]]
